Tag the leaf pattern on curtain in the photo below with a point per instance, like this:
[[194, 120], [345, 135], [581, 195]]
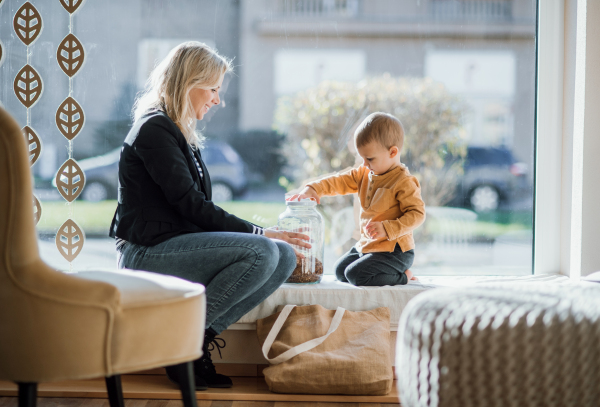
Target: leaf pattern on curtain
[[34, 144], [27, 23], [70, 55], [70, 180], [28, 86], [69, 240], [37, 210], [70, 118], [71, 5]]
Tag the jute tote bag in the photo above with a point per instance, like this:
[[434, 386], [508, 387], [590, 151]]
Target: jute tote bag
[[319, 351]]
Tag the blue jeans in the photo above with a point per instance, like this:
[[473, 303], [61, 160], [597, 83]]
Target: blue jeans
[[374, 269], [239, 270]]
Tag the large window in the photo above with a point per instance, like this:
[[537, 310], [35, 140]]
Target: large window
[[459, 74]]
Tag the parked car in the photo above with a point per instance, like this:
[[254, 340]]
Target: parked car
[[226, 168], [227, 171], [492, 177]]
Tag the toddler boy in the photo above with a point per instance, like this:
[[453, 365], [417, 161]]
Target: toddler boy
[[391, 205]]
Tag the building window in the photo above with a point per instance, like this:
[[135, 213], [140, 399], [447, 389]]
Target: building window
[[472, 10]]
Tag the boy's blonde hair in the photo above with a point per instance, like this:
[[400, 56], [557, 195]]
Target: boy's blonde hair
[[381, 127], [189, 65]]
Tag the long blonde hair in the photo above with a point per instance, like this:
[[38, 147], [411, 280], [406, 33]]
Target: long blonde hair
[[189, 65]]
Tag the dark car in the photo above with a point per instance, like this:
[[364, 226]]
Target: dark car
[[492, 177], [227, 173]]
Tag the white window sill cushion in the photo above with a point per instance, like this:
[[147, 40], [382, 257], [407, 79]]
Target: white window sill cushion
[[591, 278], [331, 294]]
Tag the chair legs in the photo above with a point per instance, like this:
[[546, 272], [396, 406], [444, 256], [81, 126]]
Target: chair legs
[[185, 372], [115, 391], [27, 394]]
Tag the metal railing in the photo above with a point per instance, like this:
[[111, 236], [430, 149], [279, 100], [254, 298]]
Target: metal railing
[[316, 8], [439, 10], [472, 10]]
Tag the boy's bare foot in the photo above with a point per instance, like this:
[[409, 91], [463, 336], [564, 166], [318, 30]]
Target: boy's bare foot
[[410, 275]]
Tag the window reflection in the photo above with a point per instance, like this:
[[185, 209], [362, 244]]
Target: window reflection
[[460, 74]]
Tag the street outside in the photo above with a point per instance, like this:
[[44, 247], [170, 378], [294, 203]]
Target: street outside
[[508, 254]]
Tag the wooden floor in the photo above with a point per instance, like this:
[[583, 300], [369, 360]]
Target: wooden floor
[[81, 402], [158, 391]]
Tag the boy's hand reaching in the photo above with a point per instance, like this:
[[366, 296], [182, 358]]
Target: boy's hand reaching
[[375, 230], [306, 193]]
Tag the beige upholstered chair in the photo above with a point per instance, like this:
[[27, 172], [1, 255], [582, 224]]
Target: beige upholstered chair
[[57, 326], [503, 345]]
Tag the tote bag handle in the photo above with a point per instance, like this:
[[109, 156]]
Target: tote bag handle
[[303, 347]]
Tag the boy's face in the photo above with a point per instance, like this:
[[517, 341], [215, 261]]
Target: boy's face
[[379, 159]]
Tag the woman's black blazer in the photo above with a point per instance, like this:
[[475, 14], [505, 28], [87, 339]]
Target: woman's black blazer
[[160, 192]]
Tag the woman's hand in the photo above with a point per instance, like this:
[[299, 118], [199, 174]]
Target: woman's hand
[[293, 238], [306, 193]]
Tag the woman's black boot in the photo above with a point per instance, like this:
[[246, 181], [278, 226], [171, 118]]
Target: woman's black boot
[[173, 375], [204, 367]]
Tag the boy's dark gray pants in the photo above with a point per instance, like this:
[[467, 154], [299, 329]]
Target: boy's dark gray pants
[[374, 269]]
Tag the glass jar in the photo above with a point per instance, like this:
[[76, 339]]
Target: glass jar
[[302, 217]]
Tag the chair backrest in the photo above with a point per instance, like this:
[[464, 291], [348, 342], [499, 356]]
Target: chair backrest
[[41, 308], [18, 241]]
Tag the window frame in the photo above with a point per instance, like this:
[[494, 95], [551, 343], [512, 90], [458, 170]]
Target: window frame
[[567, 146], [548, 140]]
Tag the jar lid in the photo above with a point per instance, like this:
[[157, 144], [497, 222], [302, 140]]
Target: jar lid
[[307, 203]]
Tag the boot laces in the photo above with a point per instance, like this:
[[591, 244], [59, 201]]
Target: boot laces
[[214, 344], [205, 363]]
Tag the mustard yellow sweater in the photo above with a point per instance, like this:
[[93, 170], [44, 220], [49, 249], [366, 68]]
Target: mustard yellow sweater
[[393, 198]]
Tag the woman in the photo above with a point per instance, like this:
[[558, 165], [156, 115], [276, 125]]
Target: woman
[[165, 220]]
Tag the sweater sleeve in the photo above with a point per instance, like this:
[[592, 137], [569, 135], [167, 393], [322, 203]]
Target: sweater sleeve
[[165, 162], [342, 183], [412, 207]]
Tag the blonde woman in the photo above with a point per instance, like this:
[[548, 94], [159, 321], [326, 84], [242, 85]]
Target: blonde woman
[[165, 220]]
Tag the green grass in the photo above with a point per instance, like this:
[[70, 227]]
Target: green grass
[[493, 230], [524, 218], [260, 213], [92, 217], [487, 227], [95, 218]]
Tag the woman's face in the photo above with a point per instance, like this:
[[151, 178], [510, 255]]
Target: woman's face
[[204, 99]]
